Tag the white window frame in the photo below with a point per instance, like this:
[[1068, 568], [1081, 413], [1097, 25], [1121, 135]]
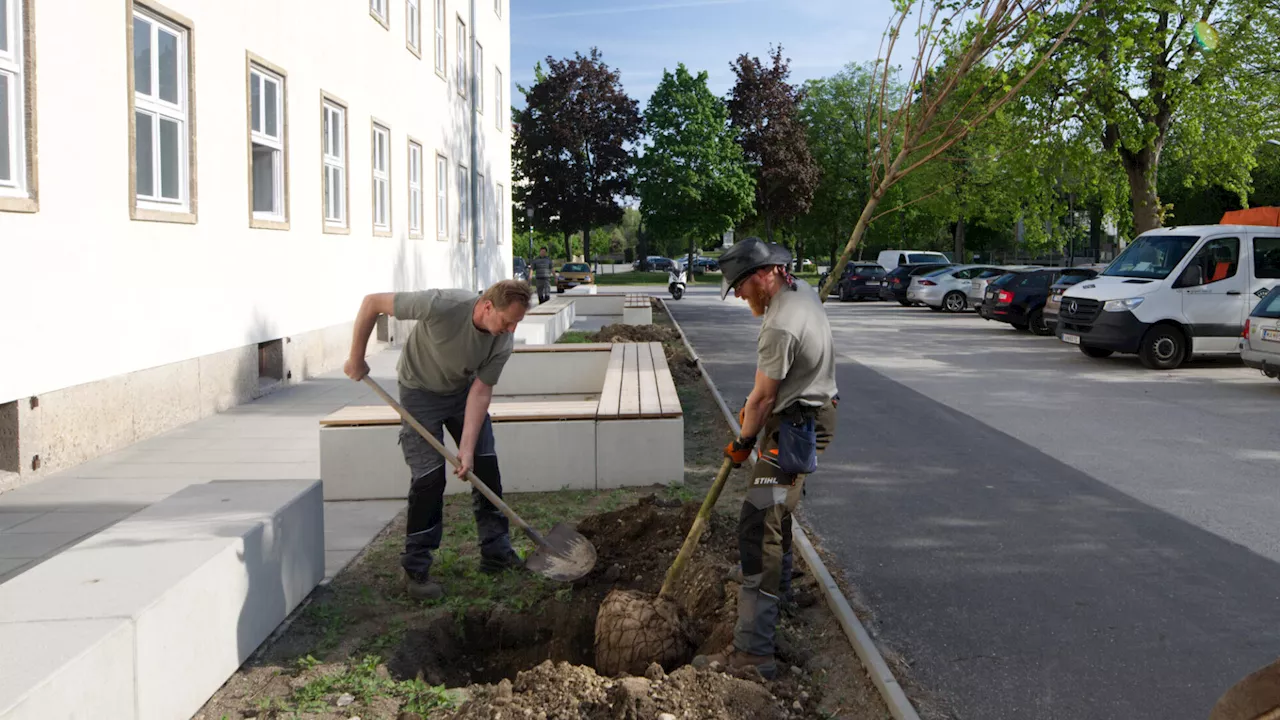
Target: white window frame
[[483, 211], [380, 163], [258, 72], [13, 68], [334, 120], [442, 197], [415, 188], [460, 73], [413, 26], [498, 110], [500, 210], [464, 202], [379, 10], [441, 50], [477, 64], [162, 110]]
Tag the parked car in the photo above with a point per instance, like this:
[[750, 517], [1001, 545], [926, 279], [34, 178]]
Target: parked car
[[978, 285], [890, 259], [1174, 293], [519, 270], [859, 281], [1055, 293], [700, 264], [657, 263], [1260, 344], [1019, 298], [893, 286], [946, 288], [572, 275]]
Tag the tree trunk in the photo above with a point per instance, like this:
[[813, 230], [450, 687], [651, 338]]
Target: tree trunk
[[586, 244], [1140, 168], [568, 248], [835, 234], [1095, 230], [768, 227], [959, 246], [688, 267]]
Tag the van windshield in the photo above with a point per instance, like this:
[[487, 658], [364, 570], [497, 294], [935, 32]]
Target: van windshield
[[1152, 257], [916, 258]]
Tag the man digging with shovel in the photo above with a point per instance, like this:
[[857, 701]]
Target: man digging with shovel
[[793, 404], [452, 359]]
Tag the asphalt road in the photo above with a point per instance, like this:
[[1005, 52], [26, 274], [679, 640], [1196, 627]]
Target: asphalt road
[[1038, 534]]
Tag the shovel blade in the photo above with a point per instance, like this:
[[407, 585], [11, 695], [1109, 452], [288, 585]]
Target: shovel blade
[[564, 555]]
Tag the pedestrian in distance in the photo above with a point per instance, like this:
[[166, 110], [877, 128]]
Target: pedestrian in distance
[[791, 415], [542, 273], [452, 359]]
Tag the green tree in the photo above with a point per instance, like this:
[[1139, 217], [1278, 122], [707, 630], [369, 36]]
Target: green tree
[[692, 180], [1133, 76]]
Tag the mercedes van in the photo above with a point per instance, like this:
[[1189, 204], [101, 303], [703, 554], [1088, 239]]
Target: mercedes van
[[1173, 293]]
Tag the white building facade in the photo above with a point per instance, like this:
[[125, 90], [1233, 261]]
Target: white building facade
[[195, 196]]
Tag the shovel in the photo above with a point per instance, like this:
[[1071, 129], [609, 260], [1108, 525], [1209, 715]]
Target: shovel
[[562, 554]]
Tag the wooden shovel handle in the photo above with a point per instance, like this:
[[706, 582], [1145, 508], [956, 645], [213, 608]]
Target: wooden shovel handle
[[695, 532], [440, 448]]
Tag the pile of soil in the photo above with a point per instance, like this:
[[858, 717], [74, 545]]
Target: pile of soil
[[620, 333], [540, 659]]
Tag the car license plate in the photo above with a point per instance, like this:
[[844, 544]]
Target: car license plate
[[991, 294], [1070, 339], [1271, 335], [884, 283]]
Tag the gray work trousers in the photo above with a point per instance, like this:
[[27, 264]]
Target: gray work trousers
[[429, 474]]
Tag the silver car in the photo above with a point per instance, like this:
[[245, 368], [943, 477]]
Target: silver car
[[1260, 345], [948, 288]]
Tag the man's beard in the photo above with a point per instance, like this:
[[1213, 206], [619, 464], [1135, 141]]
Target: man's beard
[[758, 304]]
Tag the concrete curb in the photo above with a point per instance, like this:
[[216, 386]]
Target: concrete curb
[[894, 697]]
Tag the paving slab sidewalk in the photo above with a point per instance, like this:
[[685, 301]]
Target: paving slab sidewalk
[[273, 438]]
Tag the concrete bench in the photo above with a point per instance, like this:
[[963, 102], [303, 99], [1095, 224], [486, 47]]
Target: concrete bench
[[148, 618], [550, 411], [546, 322], [638, 310]]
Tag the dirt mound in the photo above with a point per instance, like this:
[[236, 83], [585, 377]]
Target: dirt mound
[[620, 333], [560, 691]]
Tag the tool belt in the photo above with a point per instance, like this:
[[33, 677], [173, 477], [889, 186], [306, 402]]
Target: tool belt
[[798, 439]]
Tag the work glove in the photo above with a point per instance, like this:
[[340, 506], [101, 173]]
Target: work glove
[[739, 450], [742, 416]]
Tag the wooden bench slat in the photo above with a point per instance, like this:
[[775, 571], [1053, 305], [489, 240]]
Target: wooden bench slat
[[567, 347], [374, 415], [611, 394], [667, 394], [629, 401], [650, 405]]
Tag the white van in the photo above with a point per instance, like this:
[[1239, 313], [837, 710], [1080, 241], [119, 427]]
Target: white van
[[890, 259], [1173, 293]]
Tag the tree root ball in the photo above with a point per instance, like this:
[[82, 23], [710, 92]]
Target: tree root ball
[[634, 630]]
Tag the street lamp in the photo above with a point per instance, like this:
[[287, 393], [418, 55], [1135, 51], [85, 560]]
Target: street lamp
[[529, 214]]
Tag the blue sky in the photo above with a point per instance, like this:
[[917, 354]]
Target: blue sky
[[641, 38]]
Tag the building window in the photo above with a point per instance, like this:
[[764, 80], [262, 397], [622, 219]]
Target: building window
[[460, 74], [381, 142], [17, 141], [335, 164], [415, 189], [267, 146], [477, 66], [498, 109], [413, 27], [378, 9], [464, 202], [499, 200], [483, 209], [160, 121], [440, 49], [442, 198]]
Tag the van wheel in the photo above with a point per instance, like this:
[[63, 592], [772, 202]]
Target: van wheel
[[1163, 348], [1038, 325], [1096, 352], [954, 302]]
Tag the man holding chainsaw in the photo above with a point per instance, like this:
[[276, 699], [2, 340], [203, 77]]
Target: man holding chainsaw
[[791, 414], [451, 361]]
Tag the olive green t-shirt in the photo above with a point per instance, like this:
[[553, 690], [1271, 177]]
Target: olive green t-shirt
[[445, 351], [796, 348]]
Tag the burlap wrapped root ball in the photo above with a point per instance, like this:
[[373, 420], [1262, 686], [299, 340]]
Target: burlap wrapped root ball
[[634, 629]]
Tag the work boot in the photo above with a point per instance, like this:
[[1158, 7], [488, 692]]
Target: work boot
[[507, 559], [734, 660], [422, 588]]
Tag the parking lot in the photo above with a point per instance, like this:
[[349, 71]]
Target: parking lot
[[1038, 533]]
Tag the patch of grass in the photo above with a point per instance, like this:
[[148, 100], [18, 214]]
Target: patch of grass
[[331, 619], [680, 491], [573, 336], [362, 680]]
